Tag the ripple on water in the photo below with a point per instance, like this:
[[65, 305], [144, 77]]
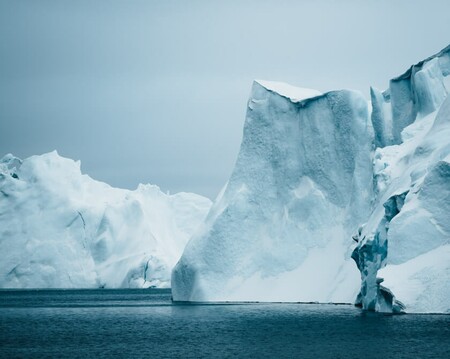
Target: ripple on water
[[144, 323]]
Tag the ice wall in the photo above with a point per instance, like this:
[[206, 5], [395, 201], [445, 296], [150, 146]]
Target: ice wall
[[301, 185], [62, 229]]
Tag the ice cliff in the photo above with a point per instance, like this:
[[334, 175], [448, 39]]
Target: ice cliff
[[322, 179], [62, 229], [301, 185]]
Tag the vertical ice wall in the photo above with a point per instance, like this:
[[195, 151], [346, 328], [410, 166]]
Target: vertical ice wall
[[301, 184]]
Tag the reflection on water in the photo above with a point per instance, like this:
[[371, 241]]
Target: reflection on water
[[144, 323]]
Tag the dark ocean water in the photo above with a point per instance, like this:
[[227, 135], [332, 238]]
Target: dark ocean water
[[144, 323]]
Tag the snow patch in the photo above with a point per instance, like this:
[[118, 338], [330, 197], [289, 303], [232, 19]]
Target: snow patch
[[295, 94]]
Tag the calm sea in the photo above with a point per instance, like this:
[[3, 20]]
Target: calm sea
[[145, 324]]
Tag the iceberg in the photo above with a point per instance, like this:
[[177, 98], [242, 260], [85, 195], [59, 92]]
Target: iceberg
[[60, 228], [326, 180], [300, 187]]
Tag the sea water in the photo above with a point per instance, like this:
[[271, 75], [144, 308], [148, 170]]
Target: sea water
[[146, 324]]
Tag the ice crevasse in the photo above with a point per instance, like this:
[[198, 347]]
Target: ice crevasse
[[62, 229], [326, 180]]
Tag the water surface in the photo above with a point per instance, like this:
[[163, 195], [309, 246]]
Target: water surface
[[144, 323]]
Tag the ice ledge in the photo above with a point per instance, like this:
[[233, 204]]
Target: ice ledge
[[407, 74], [293, 93]]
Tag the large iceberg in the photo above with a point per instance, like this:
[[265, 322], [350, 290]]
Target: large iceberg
[[62, 229], [323, 178], [301, 185]]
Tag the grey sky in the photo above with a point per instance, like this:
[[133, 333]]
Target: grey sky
[[156, 91]]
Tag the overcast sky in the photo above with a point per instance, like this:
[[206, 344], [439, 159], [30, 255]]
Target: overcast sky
[[156, 91]]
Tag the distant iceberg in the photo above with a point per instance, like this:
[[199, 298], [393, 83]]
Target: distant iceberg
[[62, 229], [324, 178]]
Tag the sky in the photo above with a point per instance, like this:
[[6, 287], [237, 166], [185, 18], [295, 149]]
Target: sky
[[156, 91]]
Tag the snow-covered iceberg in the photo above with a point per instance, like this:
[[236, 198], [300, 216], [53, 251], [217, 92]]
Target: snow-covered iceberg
[[62, 229], [321, 178]]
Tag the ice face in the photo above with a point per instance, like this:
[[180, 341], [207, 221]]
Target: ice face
[[381, 117], [301, 184], [62, 229]]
